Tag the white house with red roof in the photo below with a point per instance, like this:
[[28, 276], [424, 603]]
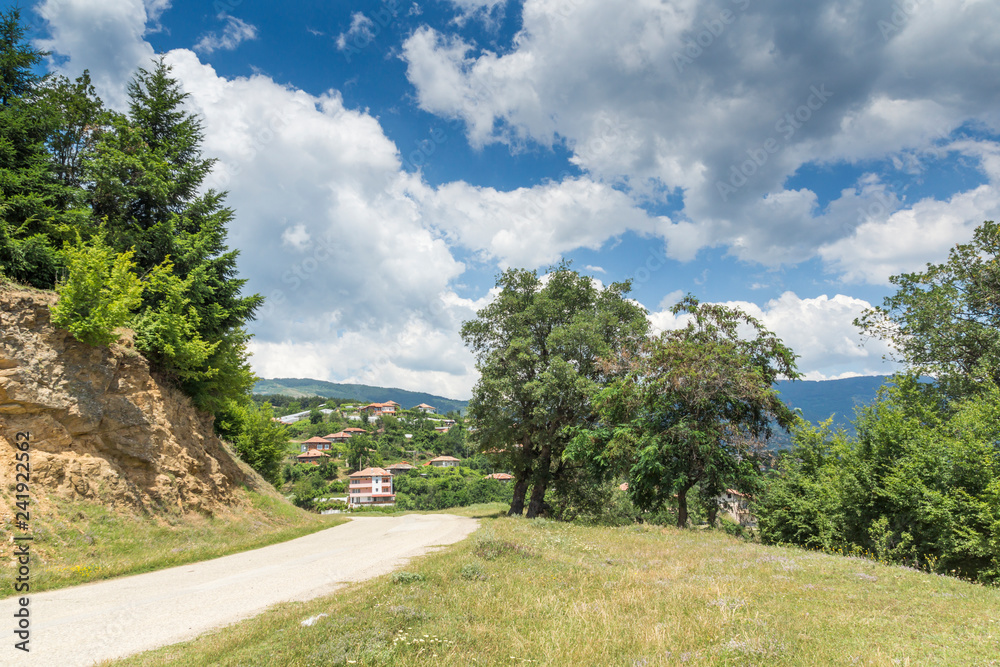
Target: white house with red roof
[[371, 486], [444, 462], [423, 407], [377, 409], [501, 476]]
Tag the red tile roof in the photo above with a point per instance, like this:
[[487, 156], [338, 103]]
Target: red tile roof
[[312, 454], [370, 472], [444, 458], [341, 434], [354, 429], [501, 476], [316, 441]]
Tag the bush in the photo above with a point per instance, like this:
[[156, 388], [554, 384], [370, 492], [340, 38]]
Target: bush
[[99, 294], [407, 577]]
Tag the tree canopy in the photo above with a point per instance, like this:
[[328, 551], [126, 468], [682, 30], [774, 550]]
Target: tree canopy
[[538, 347], [693, 407], [945, 321]]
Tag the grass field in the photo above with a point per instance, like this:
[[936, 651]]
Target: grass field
[[547, 593], [79, 542]]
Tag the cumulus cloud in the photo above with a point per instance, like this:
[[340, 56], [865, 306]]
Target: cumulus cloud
[[819, 330], [107, 36], [723, 101], [233, 34]]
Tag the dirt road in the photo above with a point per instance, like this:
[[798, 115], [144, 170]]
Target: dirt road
[[86, 624]]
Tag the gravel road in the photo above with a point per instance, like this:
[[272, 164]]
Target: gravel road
[[109, 619]]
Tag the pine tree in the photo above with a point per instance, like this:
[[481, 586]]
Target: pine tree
[[146, 178], [36, 207]]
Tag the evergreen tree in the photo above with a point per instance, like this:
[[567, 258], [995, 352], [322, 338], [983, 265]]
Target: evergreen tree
[[36, 207], [145, 187]]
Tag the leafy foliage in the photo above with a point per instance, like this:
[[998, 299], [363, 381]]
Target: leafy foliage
[[537, 347], [945, 321], [441, 488], [918, 485], [692, 408], [259, 440], [100, 293]]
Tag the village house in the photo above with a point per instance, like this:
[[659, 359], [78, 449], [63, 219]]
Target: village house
[[444, 462], [377, 409], [737, 506], [427, 409], [396, 468], [316, 443], [313, 456], [371, 486], [340, 436], [501, 476]]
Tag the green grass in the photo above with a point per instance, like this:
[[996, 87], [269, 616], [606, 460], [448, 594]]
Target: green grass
[[78, 542], [547, 593]]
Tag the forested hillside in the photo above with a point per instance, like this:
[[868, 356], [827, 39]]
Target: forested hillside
[[302, 387]]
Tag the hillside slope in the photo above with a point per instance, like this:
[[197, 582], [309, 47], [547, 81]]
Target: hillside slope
[[102, 428], [300, 387]]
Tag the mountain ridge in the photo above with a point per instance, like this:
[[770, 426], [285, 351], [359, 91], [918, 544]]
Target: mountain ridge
[[303, 387], [817, 399]]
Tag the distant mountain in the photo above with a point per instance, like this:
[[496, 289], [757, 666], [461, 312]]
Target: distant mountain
[[301, 387], [819, 400]]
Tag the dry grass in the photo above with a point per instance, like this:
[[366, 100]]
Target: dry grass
[[546, 593], [78, 542]]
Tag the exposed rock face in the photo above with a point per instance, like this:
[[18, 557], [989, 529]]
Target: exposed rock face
[[101, 427]]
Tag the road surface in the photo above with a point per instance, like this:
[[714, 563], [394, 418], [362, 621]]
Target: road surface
[[112, 619]]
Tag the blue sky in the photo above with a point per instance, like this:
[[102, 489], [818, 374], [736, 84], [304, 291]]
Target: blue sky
[[387, 159]]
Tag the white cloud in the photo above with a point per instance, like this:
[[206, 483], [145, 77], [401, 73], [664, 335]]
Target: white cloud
[[892, 240], [667, 98], [533, 227], [360, 33], [820, 330], [107, 36], [235, 33]]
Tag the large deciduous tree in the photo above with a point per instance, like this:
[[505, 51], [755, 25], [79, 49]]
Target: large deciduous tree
[[694, 407], [538, 346], [945, 321]]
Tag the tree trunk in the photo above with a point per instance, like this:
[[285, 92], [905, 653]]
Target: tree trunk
[[520, 488], [537, 498], [541, 482], [682, 507], [713, 513]]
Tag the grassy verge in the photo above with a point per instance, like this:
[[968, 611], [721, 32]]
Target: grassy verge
[[79, 542], [547, 593]]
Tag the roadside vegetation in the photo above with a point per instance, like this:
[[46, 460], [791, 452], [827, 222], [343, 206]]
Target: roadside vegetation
[[555, 593], [78, 542]]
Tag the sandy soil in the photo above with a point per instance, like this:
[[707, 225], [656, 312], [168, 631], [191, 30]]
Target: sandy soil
[[109, 619]]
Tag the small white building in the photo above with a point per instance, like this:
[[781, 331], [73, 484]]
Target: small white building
[[445, 462]]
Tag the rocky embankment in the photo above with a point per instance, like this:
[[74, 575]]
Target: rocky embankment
[[102, 427]]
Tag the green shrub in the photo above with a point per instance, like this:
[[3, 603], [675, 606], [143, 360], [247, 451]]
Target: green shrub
[[407, 577], [99, 294]]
